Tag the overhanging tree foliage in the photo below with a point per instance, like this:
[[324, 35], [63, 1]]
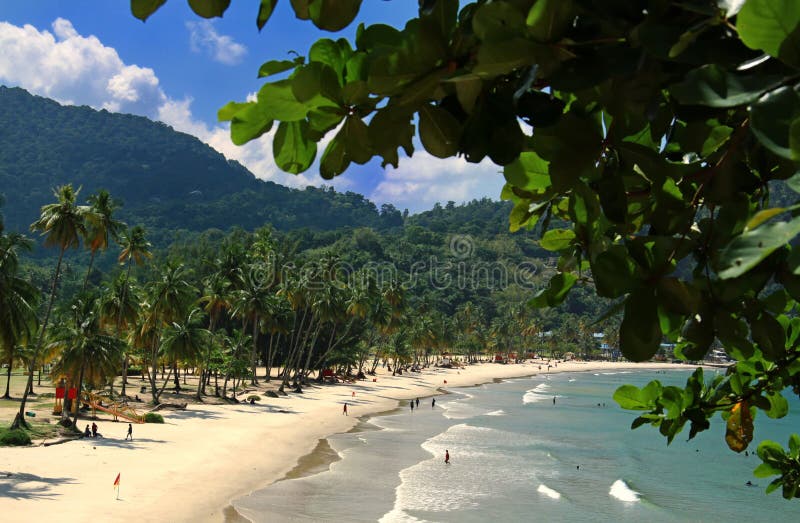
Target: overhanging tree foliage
[[660, 130]]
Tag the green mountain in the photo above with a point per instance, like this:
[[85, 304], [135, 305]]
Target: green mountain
[[167, 180]]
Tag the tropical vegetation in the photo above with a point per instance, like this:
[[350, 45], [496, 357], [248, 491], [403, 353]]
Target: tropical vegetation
[[658, 131]]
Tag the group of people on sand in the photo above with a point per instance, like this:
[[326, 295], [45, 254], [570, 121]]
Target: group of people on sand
[[92, 432]]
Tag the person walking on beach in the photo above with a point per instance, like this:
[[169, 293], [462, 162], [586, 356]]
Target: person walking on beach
[[412, 405], [344, 410], [433, 402], [447, 456], [130, 432], [554, 400], [417, 402]]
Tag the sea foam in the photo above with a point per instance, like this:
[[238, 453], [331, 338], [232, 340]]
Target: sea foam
[[623, 492], [538, 393], [547, 491]]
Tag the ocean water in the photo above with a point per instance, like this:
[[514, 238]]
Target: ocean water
[[517, 456]]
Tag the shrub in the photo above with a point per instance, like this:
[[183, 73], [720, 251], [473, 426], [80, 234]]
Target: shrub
[[253, 398], [153, 417], [14, 437], [134, 371]]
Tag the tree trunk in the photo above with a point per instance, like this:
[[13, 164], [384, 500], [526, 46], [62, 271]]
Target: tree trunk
[[7, 395], [89, 270], [253, 362], [19, 421]]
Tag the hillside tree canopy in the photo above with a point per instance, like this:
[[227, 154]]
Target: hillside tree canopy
[[665, 133]]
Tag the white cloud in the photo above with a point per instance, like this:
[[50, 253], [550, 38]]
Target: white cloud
[[75, 69], [422, 180], [203, 38]]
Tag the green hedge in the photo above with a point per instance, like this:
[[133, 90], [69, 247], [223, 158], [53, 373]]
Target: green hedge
[[14, 437], [153, 417]]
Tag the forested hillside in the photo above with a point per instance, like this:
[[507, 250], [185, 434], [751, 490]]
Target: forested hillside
[[167, 180]]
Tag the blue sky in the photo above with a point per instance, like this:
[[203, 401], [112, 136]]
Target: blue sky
[[180, 68]]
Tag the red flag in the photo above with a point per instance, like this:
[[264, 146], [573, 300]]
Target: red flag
[[116, 481]]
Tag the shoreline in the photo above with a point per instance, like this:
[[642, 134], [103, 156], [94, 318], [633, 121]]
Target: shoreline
[[194, 466]]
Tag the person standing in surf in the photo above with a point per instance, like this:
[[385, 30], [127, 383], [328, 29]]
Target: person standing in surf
[[447, 456]]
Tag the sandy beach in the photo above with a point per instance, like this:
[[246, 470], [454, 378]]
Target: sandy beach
[[192, 466]]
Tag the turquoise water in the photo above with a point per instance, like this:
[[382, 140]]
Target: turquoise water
[[517, 456]]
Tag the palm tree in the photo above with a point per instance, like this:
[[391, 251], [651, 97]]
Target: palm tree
[[87, 350], [169, 298], [136, 249], [217, 301], [250, 304], [62, 224], [18, 300], [101, 226], [119, 307], [184, 340]]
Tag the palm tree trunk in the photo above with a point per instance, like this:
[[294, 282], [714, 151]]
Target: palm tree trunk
[[89, 270], [253, 362], [7, 395], [19, 420], [78, 396], [119, 326]]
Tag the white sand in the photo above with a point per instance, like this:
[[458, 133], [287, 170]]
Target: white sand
[[190, 468]]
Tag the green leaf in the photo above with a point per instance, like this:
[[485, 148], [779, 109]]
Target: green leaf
[[556, 291], [316, 85], [278, 102], [529, 172], [771, 452], [718, 136], [334, 160], [356, 139], [467, 91], [763, 216], [557, 239], [794, 139], [678, 297], [633, 398], [333, 15], [612, 271], [209, 8], [275, 67], [442, 17], [771, 26], [769, 335], [142, 9], [548, 19], [778, 406], [227, 112], [292, 151], [248, 123], [794, 446], [765, 470], [772, 117], [265, 9], [640, 331], [390, 128], [498, 21], [499, 57], [301, 8], [751, 247], [439, 131], [713, 86], [330, 53]]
